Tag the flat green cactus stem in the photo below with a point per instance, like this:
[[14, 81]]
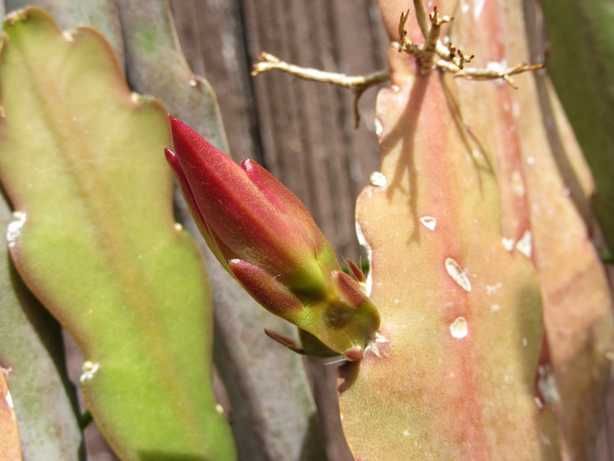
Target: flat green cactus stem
[[95, 240], [99, 14]]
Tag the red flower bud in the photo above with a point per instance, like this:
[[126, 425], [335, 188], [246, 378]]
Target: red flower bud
[[268, 240], [265, 289]]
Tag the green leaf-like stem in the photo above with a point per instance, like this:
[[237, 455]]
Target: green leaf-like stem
[[81, 157]]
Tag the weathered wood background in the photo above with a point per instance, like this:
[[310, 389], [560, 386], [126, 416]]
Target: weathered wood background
[[301, 131]]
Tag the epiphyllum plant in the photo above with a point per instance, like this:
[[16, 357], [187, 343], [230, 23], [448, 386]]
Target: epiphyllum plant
[[262, 233]]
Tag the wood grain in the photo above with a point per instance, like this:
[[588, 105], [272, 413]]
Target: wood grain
[[302, 131]]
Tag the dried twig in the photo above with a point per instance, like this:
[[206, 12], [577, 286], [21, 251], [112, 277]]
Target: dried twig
[[357, 83], [434, 53], [472, 73], [492, 72], [450, 58], [268, 62], [430, 46]]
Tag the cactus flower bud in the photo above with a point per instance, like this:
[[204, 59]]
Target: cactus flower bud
[[266, 238]]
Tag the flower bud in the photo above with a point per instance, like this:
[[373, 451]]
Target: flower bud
[[262, 233]]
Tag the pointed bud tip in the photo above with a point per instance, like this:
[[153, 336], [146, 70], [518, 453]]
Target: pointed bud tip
[[178, 128], [354, 354], [175, 123], [171, 157], [264, 288], [349, 288], [188, 143], [238, 266], [173, 162], [284, 341], [356, 271]]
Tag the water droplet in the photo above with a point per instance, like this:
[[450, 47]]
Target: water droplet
[[465, 7], [379, 128], [546, 384], [219, 408], [530, 160], [13, 230], [406, 433], [508, 244], [88, 371], [456, 272], [459, 328], [495, 307], [69, 35], [178, 227], [525, 244], [193, 82], [478, 8], [135, 97], [517, 184], [378, 179], [429, 222], [8, 398], [395, 88]]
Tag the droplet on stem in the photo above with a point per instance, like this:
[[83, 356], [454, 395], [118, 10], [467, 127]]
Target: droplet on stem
[[429, 222], [459, 329], [456, 272]]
